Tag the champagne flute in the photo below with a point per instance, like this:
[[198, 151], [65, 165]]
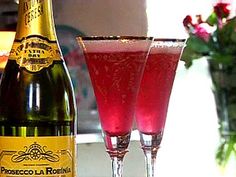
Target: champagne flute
[[116, 66], [154, 94]]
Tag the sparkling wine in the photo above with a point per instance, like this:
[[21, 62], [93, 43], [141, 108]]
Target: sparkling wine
[[115, 77], [155, 88]]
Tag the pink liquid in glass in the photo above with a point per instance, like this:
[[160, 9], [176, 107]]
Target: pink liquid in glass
[[155, 89], [116, 77]]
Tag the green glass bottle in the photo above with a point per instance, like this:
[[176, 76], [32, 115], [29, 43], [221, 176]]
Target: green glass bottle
[[37, 103]]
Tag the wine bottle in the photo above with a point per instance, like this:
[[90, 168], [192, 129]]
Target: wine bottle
[[37, 104]]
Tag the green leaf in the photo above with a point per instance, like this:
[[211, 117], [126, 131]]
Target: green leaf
[[224, 152], [189, 54], [233, 37], [195, 48], [212, 19], [197, 44], [227, 36], [220, 154], [222, 58], [231, 107]]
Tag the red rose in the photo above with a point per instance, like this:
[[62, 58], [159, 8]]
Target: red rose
[[188, 21], [222, 9]]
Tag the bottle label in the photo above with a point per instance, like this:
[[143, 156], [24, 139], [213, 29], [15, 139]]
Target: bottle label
[[37, 156], [35, 53]]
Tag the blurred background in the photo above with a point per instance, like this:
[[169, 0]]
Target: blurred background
[[191, 135]]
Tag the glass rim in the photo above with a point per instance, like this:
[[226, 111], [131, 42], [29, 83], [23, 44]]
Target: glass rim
[[169, 40], [90, 38]]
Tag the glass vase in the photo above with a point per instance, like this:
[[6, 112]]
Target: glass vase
[[224, 89]]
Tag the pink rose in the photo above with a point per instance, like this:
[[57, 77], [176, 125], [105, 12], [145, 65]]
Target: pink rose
[[202, 31]]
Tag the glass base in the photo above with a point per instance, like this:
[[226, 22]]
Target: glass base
[[150, 141], [117, 146]]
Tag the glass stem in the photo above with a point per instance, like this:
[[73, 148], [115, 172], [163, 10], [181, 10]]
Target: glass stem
[[150, 146], [150, 158], [117, 167]]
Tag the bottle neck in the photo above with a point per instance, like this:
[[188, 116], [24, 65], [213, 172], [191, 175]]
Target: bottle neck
[[35, 46], [35, 17]]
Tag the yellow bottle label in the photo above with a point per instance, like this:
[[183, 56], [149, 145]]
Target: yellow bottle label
[[37, 156], [35, 46], [35, 53]]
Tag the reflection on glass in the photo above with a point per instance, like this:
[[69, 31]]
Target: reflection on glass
[[6, 41]]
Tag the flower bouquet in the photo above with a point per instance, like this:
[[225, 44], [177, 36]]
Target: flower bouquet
[[215, 40]]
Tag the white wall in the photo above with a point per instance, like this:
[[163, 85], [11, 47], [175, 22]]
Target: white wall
[[103, 17]]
